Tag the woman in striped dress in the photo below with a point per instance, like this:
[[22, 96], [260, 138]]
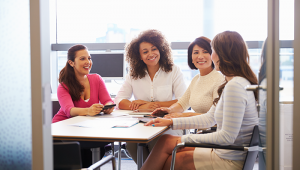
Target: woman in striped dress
[[234, 112]]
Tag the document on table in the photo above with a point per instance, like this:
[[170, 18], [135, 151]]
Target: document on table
[[107, 123], [141, 112]]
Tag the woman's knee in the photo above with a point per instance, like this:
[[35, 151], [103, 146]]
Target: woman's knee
[[168, 142], [184, 160], [168, 138]]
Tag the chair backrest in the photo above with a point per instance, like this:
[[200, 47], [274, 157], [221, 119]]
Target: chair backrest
[[251, 156], [55, 107], [66, 155]]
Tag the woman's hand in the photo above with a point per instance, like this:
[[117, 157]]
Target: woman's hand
[[173, 115], [160, 112], [95, 109], [136, 103], [150, 105], [160, 122], [109, 110]]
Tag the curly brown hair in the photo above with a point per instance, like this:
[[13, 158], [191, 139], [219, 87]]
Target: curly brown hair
[[137, 67]]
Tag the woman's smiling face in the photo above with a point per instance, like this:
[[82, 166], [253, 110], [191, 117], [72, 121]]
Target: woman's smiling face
[[82, 63], [149, 54], [201, 59]]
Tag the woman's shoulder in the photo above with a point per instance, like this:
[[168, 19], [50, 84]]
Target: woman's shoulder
[[176, 69], [93, 76], [238, 82], [196, 78], [62, 89], [217, 75], [62, 86]]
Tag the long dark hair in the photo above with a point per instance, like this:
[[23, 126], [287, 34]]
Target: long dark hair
[[233, 58], [67, 75], [202, 42], [137, 67]]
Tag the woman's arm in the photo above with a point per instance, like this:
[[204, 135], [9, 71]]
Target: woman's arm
[[198, 121], [91, 111], [229, 115], [160, 122], [174, 108], [68, 108], [124, 94], [185, 114], [166, 103], [65, 100]]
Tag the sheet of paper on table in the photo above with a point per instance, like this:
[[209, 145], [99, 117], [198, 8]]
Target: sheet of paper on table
[[107, 123]]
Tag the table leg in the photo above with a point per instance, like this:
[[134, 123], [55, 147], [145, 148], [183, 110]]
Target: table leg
[[119, 157], [140, 155], [95, 155]]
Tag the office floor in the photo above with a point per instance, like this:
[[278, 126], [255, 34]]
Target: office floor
[[129, 164]]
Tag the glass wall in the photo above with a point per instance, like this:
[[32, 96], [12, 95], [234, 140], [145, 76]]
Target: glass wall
[[101, 21], [15, 86], [119, 21]]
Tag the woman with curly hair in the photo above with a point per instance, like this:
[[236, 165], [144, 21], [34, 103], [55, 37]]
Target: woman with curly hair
[[234, 111], [153, 79]]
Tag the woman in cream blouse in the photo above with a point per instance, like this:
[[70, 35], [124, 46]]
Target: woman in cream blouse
[[203, 88]]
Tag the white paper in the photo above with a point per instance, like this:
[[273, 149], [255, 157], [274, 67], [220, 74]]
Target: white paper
[[106, 122]]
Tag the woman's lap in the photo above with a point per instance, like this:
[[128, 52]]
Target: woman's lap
[[207, 159]]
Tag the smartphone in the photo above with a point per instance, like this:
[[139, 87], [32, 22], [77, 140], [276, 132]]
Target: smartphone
[[108, 106]]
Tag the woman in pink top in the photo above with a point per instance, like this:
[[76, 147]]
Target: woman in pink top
[[80, 93]]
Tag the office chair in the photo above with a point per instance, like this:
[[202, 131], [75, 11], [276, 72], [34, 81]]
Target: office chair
[[252, 149], [66, 156]]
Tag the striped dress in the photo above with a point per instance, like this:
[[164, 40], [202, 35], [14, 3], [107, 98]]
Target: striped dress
[[235, 116]]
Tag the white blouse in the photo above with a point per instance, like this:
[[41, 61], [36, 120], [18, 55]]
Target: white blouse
[[164, 87]]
